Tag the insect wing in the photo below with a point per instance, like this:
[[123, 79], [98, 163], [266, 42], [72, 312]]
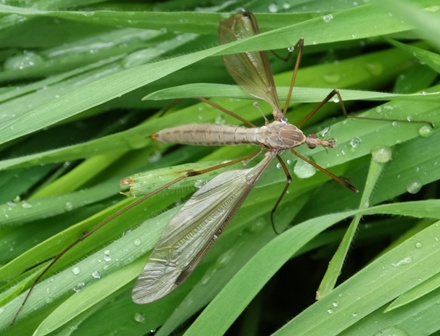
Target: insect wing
[[251, 70], [193, 230]]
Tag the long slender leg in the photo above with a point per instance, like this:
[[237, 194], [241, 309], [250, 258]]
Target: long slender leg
[[214, 105], [187, 174], [169, 107], [289, 181], [286, 187], [333, 93], [393, 120], [232, 114], [300, 46], [336, 92], [325, 171]]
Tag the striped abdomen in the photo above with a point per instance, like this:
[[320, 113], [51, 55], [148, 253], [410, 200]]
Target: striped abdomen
[[277, 135]]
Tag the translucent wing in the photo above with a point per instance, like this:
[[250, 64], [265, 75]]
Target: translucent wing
[[193, 230], [251, 70]]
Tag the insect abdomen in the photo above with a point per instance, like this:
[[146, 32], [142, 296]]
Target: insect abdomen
[[206, 135], [277, 135]]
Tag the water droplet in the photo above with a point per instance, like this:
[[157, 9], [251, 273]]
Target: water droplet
[[137, 242], [419, 245], [286, 5], [219, 120], [303, 169], [257, 225], [96, 275], [402, 262], [68, 206], [76, 270], [327, 18], [26, 205], [138, 317], [208, 276], [382, 154], [324, 132], [334, 304], [137, 141], [279, 166], [23, 61], [330, 311], [107, 256], [392, 331], [432, 9], [354, 314], [355, 142], [11, 205], [413, 187], [273, 8], [78, 287], [425, 131], [332, 77], [225, 258], [291, 49], [199, 183], [154, 157], [375, 68]]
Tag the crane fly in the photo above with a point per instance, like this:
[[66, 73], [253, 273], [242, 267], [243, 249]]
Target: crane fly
[[197, 225]]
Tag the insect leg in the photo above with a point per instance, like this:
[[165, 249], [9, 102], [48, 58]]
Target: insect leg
[[300, 46], [325, 171], [333, 93], [286, 187], [220, 108]]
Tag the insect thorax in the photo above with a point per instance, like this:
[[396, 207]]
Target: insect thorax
[[280, 135]]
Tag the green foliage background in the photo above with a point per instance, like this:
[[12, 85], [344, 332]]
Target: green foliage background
[[74, 123]]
